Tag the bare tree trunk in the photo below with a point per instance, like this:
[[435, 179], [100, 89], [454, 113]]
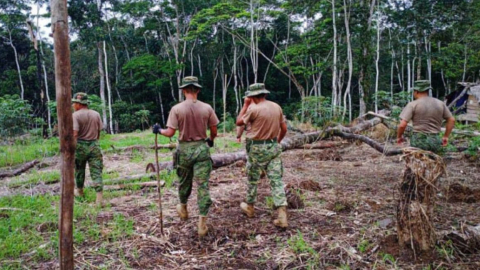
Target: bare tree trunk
[[254, 43], [334, 72], [199, 65], [22, 90], [350, 64], [109, 91], [65, 129], [161, 107], [102, 83], [428, 49], [464, 64], [376, 65], [234, 71], [409, 70]]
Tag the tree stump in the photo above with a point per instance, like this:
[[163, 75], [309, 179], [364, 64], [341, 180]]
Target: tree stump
[[417, 200]]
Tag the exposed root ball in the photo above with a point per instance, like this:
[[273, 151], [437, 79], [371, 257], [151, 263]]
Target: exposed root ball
[[293, 198], [459, 193]]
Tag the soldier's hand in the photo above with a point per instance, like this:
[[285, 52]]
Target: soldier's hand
[[400, 140], [156, 129], [209, 142], [247, 101], [444, 141]]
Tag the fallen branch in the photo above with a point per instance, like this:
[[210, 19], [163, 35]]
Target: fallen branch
[[143, 147], [130, 178], [323, 145], [374, 144], [130, 185], [25, 167]]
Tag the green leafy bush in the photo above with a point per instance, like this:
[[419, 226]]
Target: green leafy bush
[[15, 116]]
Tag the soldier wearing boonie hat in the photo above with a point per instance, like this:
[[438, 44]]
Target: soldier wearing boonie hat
[[87, 125], [427, 114], [192, 118], [267, 129]]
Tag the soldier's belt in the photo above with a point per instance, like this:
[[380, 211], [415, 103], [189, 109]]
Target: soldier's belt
[[191, 142], [271, 141]]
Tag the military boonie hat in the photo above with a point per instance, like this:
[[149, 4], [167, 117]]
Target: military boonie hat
[[256, 89], [190, 80], [81, 98], [422, 85], [246, 94]]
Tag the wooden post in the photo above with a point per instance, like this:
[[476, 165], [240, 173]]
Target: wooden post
[[65, 129]]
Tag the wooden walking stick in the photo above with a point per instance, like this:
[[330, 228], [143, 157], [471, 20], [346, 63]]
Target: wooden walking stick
[[158, 184]]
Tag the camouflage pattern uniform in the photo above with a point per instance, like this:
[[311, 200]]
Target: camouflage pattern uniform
[[194, 163], [88, 151], [265, 157], [428, 142]]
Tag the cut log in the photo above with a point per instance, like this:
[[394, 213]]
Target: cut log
[[132, 178], [143, 147], [130, 185], [322, 145], [25, 167]]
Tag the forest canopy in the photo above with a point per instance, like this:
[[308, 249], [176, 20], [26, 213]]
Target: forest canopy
[[320, 59]]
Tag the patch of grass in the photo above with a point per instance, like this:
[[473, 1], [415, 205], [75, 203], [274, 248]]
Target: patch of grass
[[298, 245], [28, 150], [446, 250], [364, 245], [35, 177], [21, 215]]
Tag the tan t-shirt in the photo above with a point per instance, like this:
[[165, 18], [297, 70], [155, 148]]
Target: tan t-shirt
[[88, 124], [427, 114], [192, 118], [264, 119]]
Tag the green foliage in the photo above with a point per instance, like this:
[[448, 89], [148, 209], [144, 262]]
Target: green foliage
[[298, 245], [319, 111], [229, 124], [15, 116]]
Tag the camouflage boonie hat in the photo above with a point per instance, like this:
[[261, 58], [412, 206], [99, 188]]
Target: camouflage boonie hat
[[81, 98], [246, 94], [422, 85], [256, 89], [190, 80]]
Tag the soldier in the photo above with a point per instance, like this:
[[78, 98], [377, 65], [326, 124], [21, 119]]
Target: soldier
[[267, 129], [192, 118], [427, 114], [87, 126]]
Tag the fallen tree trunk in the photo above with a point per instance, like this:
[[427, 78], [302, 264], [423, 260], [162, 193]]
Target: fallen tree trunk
[[130, 178], [323, 145], [143, 147], [25, 167], [220, 160], [130, 185]]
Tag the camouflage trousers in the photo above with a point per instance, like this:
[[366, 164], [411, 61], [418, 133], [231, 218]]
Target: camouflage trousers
[[266, 157], [428, 142], [88, 151], [194, 163]]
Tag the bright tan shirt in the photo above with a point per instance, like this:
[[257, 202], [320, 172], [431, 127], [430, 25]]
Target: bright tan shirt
[[192, 118], [264, 119], [88, 123], [427, 114]]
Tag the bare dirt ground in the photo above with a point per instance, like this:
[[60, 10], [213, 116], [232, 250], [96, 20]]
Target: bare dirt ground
[[341, 216]]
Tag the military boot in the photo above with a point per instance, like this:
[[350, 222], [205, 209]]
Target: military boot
[[248, 209], [99, 201], [202, 226], [182, 211], [79, 192], [281, 220]]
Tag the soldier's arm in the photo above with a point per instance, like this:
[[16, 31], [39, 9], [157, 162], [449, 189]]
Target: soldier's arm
[[283, 132], [448, 129], [246, 104], [169, 132], [400, 130], [75, 134], [213, 132]]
